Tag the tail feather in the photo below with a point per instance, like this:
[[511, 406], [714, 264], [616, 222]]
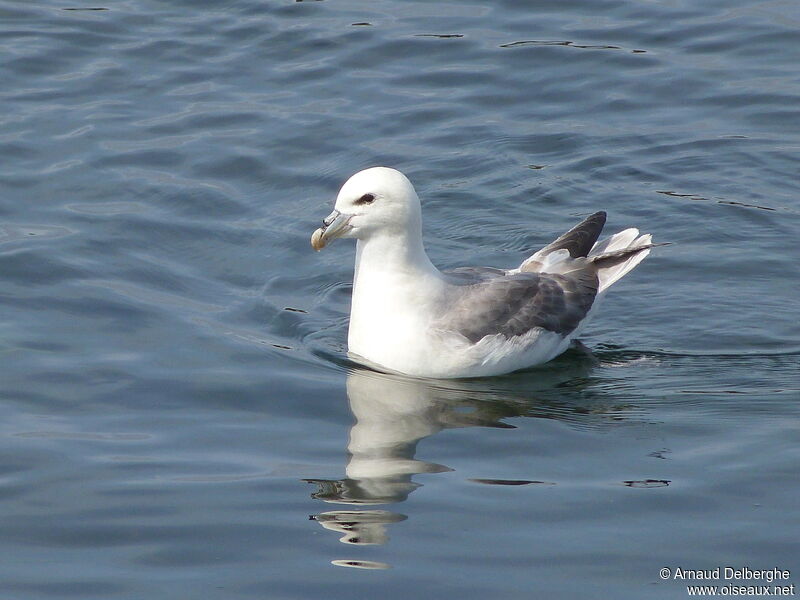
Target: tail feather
[[618, 241], [611, 258], [619, 259]]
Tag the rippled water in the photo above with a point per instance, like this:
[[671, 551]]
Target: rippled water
[[176, 398]]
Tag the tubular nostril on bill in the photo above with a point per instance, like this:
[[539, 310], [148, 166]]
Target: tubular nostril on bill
[[326, 222]]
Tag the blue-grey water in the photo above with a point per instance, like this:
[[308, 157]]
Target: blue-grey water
[[179, 417]]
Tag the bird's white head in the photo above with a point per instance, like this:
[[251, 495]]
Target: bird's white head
[[375, 201]]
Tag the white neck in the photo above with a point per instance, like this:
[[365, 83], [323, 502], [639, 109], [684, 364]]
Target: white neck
[[393, 256]]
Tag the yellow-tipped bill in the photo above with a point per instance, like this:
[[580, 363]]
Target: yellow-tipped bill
[[334, 225]]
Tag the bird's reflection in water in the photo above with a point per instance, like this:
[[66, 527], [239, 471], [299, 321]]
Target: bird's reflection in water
[[393, 413]]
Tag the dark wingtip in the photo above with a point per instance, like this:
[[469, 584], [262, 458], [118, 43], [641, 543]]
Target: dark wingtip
[[580, 239]]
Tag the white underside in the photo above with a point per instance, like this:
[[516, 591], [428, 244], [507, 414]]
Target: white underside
[[444, 355]]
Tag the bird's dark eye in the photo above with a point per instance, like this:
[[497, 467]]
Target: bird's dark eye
[[365, 199]]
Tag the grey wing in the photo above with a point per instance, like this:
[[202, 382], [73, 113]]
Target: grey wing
[[513, 305]]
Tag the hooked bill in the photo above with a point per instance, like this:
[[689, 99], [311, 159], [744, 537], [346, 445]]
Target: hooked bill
[[317, 243]]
